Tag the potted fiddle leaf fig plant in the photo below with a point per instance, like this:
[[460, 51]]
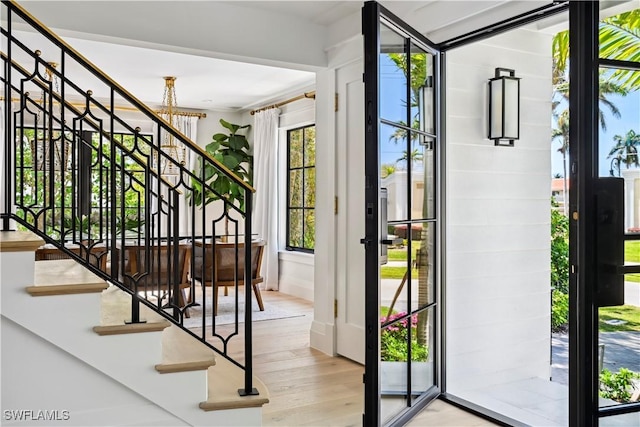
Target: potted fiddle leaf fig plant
[[232, 150]]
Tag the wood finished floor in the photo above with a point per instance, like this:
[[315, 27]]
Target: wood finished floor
[[310, 388]]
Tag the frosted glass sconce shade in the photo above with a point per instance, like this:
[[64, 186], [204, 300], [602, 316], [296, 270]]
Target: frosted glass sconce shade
[[504, 107]]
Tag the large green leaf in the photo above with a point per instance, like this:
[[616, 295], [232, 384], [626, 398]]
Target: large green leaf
[[233, 128], [237, 142], [221, 185], [219, 137], [231, 162], [212, 147], [209, 171]]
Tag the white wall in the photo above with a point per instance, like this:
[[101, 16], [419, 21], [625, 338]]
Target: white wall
[[296, 269], [498, 216]]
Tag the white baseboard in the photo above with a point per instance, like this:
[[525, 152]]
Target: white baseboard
[[291, 286], [322, 337]]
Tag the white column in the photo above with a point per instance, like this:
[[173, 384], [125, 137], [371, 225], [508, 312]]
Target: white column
[[631, 176]]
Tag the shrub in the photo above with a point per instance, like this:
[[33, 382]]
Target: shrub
[[394, 337], [559, 310], [617, 386], [559, 251]]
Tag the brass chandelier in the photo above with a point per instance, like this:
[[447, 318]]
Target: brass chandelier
[[49, 144], [169, 145]]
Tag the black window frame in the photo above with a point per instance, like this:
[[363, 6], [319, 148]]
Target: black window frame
[[302, 208]]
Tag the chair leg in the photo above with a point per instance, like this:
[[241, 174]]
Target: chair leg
[[256, 291], [182, 302], [215, 300], [226, 291]]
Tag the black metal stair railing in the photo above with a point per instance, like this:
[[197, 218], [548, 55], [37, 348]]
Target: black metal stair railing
[[88, 179]]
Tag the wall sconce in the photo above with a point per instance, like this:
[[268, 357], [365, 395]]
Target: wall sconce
[[504, 107]]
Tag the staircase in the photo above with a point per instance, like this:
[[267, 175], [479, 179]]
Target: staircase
[[84, 179], [66, 350]]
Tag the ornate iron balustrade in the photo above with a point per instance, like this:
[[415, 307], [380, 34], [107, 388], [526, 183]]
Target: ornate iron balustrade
[[80, 175]]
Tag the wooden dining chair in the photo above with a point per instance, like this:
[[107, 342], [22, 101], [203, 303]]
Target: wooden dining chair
[[152, 271], [96, 256], [220, 269]]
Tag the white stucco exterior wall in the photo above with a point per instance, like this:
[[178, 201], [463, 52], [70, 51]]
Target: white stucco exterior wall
[[631, 202], [498, 220]]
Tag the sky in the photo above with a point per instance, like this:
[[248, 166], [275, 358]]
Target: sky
[[629, 107]]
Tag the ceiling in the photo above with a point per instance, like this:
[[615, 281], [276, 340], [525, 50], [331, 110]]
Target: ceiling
[[202, 82], [209, 78]]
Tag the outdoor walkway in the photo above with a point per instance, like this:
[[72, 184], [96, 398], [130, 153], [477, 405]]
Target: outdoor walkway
[[621, 349]]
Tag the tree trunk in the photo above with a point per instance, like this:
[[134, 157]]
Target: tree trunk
[[422, 255]]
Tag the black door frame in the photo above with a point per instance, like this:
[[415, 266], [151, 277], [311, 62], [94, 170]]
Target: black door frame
[[373, 14], [584, 408], [583, 167], [583, 342]]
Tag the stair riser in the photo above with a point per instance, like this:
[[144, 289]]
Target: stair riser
[[16, 273]]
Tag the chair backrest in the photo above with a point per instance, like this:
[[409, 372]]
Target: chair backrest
[[224, 266], [96, 256], [154, 269]]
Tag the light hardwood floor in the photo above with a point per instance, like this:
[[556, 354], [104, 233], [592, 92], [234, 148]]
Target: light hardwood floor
[[310, 388]]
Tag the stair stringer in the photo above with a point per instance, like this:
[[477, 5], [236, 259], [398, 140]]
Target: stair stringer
[[39, 376], [66, 321]]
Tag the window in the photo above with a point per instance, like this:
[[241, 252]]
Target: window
[[301, 188]]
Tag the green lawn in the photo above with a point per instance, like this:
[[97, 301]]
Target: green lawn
[[400, 254], [396, 272], [632, 254], [628, 313]]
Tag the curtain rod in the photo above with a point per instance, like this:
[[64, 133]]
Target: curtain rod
[[124, 108], [306, 95]]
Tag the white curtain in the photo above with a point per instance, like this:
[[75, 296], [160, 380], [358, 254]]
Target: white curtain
[[265, 218]]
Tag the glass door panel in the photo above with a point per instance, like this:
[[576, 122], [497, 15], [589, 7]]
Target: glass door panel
[[400, 158], [422, 354], [393, 82], [423, 289], [619, 326]]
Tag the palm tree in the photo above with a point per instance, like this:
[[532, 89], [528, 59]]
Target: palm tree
[[414, 156], [626, 149], [606, 88], [562, 133], [386, 170], [619, 38]]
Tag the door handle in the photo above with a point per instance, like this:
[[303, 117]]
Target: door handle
[[610, 242]]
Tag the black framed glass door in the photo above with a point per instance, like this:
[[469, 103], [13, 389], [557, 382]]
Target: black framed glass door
[[402, 227], [602, 235]]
